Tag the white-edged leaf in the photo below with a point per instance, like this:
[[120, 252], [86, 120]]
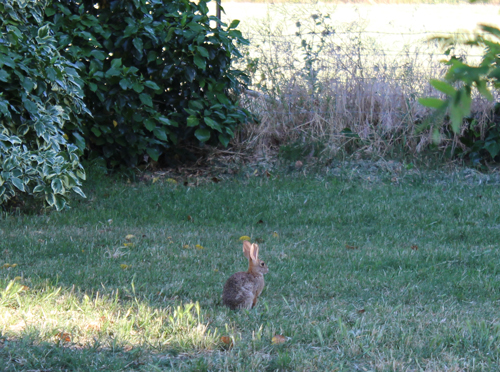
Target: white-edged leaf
[[79, 191], [39, 188], [57, 186], [17, 183]]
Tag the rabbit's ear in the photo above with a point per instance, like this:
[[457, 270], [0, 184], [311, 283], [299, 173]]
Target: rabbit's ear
[[254, 253], [247, 249]]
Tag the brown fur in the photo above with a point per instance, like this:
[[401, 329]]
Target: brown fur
[[242, 289]]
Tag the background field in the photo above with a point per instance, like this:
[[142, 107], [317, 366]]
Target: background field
[[373, 266], [357, 74]]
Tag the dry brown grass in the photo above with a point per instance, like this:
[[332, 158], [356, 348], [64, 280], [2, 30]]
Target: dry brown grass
[[355, 98]]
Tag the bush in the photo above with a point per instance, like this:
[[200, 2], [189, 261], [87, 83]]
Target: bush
[[40, 92], [156, 73], [462, 83]]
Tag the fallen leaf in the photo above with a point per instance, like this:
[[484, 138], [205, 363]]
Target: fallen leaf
[[124, 267], [94, 326], [414, 247], [156, 179], [171, 180], [267, 174], [17, 278], [227, 341], [5, 266], [130, 237], [25, 287], [199, 246], [278, 339], [244, 237], [64, 336], [13, 265], [275, 234], [189, 218], [361, 311], [115, 123], [128, 244], [298, 164], [351, 246], [185, 246], [128, 348]]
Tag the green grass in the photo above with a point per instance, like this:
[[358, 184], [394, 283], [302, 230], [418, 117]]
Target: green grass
[[71, 304]]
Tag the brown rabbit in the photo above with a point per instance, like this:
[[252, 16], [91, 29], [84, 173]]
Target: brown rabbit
[[242, 289]]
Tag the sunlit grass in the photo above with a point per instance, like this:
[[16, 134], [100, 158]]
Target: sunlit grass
[[374, 266]]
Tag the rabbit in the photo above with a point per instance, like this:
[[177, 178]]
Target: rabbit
[[242, 289]]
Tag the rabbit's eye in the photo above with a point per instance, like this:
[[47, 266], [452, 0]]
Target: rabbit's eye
[[262, 264]]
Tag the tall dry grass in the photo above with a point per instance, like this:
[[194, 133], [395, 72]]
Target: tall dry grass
[[337, 85]]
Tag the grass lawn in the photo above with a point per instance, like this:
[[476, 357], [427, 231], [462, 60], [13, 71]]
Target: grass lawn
[[382, 270]]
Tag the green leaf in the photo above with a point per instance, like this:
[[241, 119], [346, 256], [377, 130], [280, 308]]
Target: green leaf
[[149, 124], [456, 117], [112, 72], [152, 85], [432, 102], [49, 12], [165, 121], [234, 24], [224, 140], [125, 84], [483, 89], [146, 99], [138, 44], [4, 76], [190, 73], [202, 134], [138, 87], [212, 124], [96, 131], [160, 134], [153, 153], [97, 54], [192, 121], [116, 63], [200, 62], [203, 51], [443, 87]]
